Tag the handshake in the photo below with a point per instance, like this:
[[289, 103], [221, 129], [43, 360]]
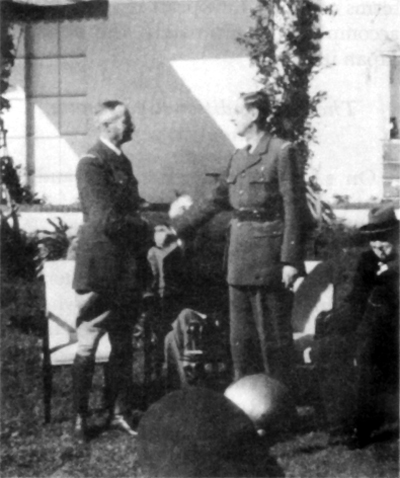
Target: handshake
[[180, 205], [165, 236]]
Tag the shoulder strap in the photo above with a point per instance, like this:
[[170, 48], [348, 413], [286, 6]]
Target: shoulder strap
[[88, 155], [98, 156]]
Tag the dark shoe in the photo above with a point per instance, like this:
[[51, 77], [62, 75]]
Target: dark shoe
[[341, 435], [358, 441], [118, 422], [81, 428]]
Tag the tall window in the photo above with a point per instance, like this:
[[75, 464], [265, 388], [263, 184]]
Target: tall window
[[56, 88]]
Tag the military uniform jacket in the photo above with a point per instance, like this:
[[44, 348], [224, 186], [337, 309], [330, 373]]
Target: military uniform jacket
[[268, 181], [113, 232]]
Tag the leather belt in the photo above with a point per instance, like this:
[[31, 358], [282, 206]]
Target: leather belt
[[256, 215]]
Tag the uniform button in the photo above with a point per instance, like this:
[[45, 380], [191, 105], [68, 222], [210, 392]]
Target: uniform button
[[243, 174], [262, 168], [240, 192]]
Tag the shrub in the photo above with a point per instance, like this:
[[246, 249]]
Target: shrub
[[55, 244], [10, 178], [19, 252]]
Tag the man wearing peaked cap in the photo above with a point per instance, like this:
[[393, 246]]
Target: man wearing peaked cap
[[374, 310]]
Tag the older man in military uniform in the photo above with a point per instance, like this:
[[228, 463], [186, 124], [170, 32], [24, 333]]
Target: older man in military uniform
[[109, 258], [264, 187]]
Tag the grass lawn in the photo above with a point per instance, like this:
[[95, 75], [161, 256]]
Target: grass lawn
[[31, 449]]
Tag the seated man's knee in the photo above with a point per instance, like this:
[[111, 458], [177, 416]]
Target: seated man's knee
[[382, 302], [378, 296]]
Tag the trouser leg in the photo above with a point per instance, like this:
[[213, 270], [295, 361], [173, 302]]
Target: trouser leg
[[377, 358], [120, 366], [245, 350], [83, 369], [272, 314], [365, 416], [120, 370], [261, 332]]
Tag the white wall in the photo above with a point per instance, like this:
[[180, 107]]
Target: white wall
[[178, 66], [354, 120], [143, 53]]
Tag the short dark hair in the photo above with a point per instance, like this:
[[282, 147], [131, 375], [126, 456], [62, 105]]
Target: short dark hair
[[110, 104], [260, 101]]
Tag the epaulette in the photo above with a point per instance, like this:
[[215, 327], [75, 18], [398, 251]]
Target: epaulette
[[94, 156]]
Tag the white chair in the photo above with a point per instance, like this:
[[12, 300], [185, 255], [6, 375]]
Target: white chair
[[314, 293], [60, 341]]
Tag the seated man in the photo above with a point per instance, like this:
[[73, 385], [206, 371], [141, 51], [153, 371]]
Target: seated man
[[368, 323], [196, 343], [170, 286], [374, 305]]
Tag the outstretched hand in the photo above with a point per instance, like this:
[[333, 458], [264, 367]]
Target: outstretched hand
[[180, 205]]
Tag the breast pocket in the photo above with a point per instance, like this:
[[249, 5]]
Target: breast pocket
[[258, 191]]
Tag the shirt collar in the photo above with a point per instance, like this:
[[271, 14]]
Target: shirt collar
[[262, 145], [111, 146]]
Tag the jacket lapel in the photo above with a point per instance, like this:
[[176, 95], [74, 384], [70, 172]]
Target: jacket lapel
[[263, 145], [247, 160], [104, 153]]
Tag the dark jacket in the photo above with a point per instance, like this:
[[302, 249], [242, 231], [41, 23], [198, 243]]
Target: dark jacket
[[366, 281], [269, 181], [112, 237]]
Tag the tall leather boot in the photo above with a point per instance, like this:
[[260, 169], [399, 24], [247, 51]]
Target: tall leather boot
[[82, 374], [119, 397], [120, 382]]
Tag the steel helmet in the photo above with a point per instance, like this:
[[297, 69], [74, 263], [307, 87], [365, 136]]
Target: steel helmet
[[264, 399]]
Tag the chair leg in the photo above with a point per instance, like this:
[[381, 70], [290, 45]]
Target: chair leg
[[147, 351], [107, 386], [47, 375], [47, 389]]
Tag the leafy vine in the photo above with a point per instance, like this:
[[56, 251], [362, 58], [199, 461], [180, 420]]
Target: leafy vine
[[284, 43]]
